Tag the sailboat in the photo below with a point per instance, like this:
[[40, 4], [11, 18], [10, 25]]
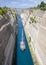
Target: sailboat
[[22, 44]]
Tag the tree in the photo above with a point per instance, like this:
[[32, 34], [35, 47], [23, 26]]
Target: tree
[[3, 10], [42, 4]]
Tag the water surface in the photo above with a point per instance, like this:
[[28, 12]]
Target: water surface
[[22, 57]]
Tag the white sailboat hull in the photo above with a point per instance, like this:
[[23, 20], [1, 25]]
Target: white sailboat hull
[[22, 46]]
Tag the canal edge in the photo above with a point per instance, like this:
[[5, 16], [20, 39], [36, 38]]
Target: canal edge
[[31, 49]]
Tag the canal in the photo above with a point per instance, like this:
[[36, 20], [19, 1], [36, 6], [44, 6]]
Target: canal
[[22, 57]]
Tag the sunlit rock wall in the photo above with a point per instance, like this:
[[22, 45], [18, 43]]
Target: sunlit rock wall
[[7, 39]]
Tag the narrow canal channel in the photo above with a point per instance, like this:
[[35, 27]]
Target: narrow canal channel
[[22, 57]]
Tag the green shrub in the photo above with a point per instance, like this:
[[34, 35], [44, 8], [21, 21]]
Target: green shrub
[[33, 19], [41, 6], [3, 10]]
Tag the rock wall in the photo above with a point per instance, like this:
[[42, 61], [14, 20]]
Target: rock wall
[[7, 40]]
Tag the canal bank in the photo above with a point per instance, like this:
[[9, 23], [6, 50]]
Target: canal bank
[[7, 36], [31, 47], [22, 57]]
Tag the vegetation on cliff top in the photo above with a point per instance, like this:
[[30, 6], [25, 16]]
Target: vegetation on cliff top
[[41, 6], [3, 10]]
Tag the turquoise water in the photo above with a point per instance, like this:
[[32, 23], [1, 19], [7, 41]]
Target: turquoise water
[[22, 57]]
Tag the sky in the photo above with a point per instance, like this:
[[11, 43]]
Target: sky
[[20, 3]]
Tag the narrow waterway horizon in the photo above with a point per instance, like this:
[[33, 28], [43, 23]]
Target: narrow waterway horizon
[[22, 57]]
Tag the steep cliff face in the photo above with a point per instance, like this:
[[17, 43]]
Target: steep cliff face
[[7, 38], [37, 32], [42, 39]]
